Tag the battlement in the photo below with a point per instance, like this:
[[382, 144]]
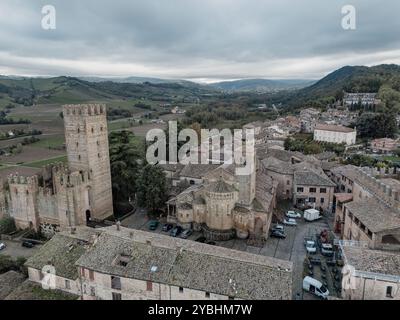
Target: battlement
[[384, 192], [17, 179], [84, 110], [71, 179]]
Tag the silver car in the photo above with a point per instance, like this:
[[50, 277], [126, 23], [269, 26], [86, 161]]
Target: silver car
[[186, 233]]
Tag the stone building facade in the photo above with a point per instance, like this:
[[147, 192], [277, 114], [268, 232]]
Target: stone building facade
[[64, 196], [335, 134], [372, 214]]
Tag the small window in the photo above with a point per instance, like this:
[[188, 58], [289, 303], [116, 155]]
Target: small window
[[389, 291], [322, 200], [79, 130], [98, 155], [92, 291], [322, 190], [312, 200], [180, 290], [92, 130], [101, 128], [79, 157], [149, 286], [191, 182], [313, 190], [288, 182], [116, 296], [77, 144], [207, 295], [98, 143], [300, 189], [116, 283], [67, 285]]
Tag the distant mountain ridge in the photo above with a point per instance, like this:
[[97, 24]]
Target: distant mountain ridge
[[261, 85]]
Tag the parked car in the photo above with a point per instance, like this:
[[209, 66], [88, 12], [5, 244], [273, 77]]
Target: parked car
[[315, 287], [2, 246], [290, 222], [175, 231], [293, 214], [311, 246], [326, 249], [166, 227], [278, 227], [186, 233], [201, 239], [153, 224], [315, 261], [278, 234], [27, 244]]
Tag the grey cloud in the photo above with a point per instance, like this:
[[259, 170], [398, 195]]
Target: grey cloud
[[190, 38]]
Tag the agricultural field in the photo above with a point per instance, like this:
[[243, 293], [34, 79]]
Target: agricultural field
[[50, 147]]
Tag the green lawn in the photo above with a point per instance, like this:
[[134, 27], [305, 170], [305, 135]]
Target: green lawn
[[42, 163], [49, 141], [391, 158]]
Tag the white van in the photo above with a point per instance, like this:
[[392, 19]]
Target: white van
[[315, 287], [311, 215]]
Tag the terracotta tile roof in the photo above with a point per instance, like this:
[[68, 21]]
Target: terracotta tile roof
[[376, 261], [189, 264], [332, 127], [374, 214]]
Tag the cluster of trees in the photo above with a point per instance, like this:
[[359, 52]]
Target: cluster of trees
[[29, 140], [308, 146], [376, 125], [365, 161], [5, 120], [213, 114], [7, 225], [20, 133], [132, 177], [7, 263], [119, 113]]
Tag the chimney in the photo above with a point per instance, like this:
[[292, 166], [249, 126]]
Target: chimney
[[118, 224]]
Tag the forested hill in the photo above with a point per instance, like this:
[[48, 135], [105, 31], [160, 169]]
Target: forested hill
[[383, 79]]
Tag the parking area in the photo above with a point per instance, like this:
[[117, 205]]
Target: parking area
[[15, 249], [292, 248]]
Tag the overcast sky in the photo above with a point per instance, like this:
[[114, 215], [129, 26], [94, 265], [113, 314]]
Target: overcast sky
[[196, 39]]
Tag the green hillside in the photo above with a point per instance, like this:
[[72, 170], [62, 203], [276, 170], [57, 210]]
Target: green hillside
[[30, 91]]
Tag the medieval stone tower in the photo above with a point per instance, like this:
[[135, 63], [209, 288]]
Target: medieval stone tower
[[86, 138]]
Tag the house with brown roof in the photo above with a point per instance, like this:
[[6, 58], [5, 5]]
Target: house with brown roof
[[370, 274], [372, 213], [384, 145]]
